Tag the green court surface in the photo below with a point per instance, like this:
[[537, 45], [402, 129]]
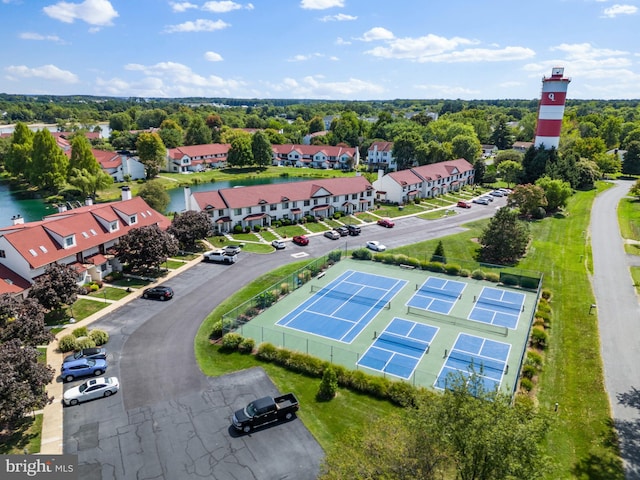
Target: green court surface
[[452, 328]]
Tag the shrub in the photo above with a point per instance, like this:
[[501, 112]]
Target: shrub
[[434, 267], [362, 254], [328, 385], [402, 393], [335, 256], [219, 328], [492, 277], [529, 371], [284, 288], [546, 294], [545, 316], [526, 384], [465, 272], [539, 338], [67, 343], [477, 275], [80, 332], [265, 300], [231, 341], [535, 359], [267, 352], [94, 287], [543, 306], [238, 229], [257, 228], [247, 345], [538, 322], [100, 337], [452, 268], [85, 342], [539, 213]]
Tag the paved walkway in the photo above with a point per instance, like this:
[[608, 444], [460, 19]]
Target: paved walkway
[[619, 322]]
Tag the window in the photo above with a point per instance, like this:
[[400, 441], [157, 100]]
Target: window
[[220, 213], [248, 210], [294, 204], [114, 226], [334, 199], [133, 219], [69, 241], [263, 209], [315, 201], [307, 203], [85, 234], [237, 211], [285, 205], [3, 254]]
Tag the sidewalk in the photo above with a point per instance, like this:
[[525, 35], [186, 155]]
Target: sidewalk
[[52, 439]]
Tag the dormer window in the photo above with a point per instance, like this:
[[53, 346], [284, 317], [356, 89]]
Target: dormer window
[[133, 219], [113, 226], [69, 241]]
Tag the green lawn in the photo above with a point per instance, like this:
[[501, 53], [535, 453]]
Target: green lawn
[[171, 264], [111, 293], [26, 437], [392, 211], [84, 308], [290, 231], [315, 227]]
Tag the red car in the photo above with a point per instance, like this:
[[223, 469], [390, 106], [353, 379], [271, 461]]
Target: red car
[[463, 204], [300, 240], [385, 222]]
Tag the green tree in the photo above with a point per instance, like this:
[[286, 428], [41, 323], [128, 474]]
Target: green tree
[[501, 136], [155, 195], [152, 153], [189, 227], [438, 253], [505, 238], [438, 152], [171, 134], [467, 147], [89, 183], [347, 129], [120, 122], [510, 171], [215, 124], [23, 319], [589, 147], [610, 131], [147, 119], [197, 132], [534, 164], [316, 124], [145, 248], [557, 192], [240, 153], [608, 162], [408, 149], [587, 174], [479, 167], [261, 149], [505, 155], [328, 385], [635, 189], [49, 164], [18, 158], [631, 163], [82, 157], [527, 198]]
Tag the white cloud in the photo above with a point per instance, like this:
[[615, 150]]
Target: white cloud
[[37, 36], [200, 25], [342, 41], [377, 33], [221, 7], [93, 12], [447, 90], [316, 87], [302, 58], [182, 6], [482, 55], [616, 10], [46, 72], [340, 17], [321, 4], [212, 57], [420, 48]]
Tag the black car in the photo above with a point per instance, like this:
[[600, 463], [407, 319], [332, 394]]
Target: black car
[[354, 230], [343, 231], [95, 353], [159, 293]]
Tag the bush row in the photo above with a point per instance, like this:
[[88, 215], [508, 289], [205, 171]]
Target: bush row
[[82, 338], [399, 392]]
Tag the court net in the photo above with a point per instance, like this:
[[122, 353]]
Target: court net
[[497, 303], [479, 364], [437, 291], [463, 323], [417, 346], [351, 297]]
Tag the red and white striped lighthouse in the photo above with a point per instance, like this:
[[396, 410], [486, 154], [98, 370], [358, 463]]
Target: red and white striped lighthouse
[[551, 109]]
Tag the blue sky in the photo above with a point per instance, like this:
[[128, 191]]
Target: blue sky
[[323, 49]]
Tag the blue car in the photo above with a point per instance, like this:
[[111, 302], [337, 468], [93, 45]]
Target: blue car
[[82, 367]]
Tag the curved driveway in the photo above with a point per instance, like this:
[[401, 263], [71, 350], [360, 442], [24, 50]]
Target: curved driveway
[[172, 422], [619, 321]]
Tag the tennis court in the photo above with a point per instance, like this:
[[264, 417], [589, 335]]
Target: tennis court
[[496, 306], [437, 295], [487, 358], [399, 348], [341, 309]]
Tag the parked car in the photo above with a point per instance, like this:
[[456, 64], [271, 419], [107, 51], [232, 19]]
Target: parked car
[[496, 193], [82, 368], [343, 231], [332, 234], [220, 255], [301, 240], [354, 229], [489, 198], [91, 389], [233, 249], [375, 246], [481, 201], [158, 293], [385, 222], [463, 204], [506, 191], [265, 410], [278, 244], [94, 353]]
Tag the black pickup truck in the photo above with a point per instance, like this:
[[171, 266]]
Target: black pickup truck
[[265, 410]]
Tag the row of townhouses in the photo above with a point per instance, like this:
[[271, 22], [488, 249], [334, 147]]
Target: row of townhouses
[[83, 237]]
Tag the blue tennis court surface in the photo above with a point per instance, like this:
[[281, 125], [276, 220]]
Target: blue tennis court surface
[[343, 308], [437, 295], [498, 307], [399, 348], [487, 358]]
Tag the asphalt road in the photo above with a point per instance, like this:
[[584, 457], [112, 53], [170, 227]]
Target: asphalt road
[[619, 320], [169, 421]]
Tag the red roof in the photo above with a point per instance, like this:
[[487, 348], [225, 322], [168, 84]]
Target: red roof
[[107, 160], [194, 151], [311, 150], [11, 282], [382, 146], [431, 172]]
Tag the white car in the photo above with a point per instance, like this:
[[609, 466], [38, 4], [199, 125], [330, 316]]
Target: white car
[[278, 244], [91, 389], [375, 246]]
